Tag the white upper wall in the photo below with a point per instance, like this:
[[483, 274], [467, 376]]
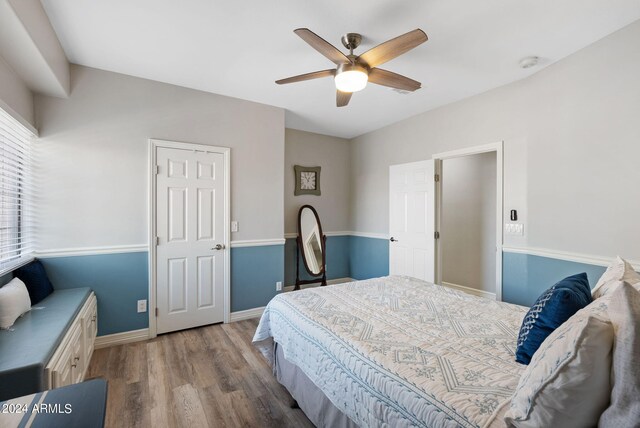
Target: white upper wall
[[330, 153], [92, 158], [29, 44], [15, 97], [571, 148]]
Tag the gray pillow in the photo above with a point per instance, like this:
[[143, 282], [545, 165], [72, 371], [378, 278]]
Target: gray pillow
[[624, 310]]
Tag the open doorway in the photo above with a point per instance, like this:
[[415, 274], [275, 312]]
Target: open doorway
[[469, 220]]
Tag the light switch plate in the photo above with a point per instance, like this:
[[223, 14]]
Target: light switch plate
[[279, 286], [234, 226], [142, 306]]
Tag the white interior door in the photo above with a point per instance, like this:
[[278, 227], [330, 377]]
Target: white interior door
[[190, 216], [411, 220]]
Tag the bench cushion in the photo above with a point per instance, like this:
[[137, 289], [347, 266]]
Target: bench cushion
[[26, 350]]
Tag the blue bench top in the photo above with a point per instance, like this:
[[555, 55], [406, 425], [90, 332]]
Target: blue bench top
[[28, 346]]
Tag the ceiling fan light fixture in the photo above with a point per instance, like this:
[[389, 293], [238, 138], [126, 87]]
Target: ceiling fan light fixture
[[351, 78]]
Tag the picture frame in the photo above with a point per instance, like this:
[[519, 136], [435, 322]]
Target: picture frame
[[307, 180]]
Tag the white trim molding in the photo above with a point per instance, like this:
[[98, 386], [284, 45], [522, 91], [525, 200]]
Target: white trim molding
[[496, 147], [91, 251], [317, 284], [257, 243], [293, 235], [470, 290], [475, 150], [338, 233], [567, 256], [385, 236], [246, 314], [122, 338]]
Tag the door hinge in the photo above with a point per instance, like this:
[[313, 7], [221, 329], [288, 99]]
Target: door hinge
[[436, 178], [157, 240], [436, 235], [156, 312], [157, 169]]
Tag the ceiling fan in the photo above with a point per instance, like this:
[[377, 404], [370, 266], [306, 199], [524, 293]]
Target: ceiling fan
[[353, 72]]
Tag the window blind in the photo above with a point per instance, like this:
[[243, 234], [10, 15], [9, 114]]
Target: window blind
[[16, 193]]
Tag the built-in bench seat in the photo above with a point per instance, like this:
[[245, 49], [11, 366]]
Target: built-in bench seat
[[50, 346]]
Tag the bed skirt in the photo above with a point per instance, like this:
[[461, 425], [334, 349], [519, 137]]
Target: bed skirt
[[318, 408]]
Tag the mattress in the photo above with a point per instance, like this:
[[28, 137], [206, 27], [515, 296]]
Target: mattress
[[398, 351]]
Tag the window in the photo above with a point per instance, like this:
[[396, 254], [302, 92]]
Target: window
[[15, 193]]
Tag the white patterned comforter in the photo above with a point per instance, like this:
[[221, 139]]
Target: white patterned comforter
[[397, 351]]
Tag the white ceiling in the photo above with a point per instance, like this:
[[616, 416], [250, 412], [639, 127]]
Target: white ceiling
[[239, 48]]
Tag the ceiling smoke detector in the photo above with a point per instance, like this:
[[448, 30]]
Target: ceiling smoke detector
[[528, 62]]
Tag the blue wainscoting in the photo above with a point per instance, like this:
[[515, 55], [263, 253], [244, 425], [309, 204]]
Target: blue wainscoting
[[337, 259], [254, 273], [369, 257], [119, 281], [525, 277]]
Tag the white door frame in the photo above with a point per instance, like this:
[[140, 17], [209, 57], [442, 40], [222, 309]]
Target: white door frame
[[153, 144], [439, 157]]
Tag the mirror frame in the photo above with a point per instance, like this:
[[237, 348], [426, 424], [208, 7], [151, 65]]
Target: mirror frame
[[322, 241]]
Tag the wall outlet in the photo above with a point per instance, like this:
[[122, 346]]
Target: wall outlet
[[234, 226], [279, 286], [514, 229], [142, 306]]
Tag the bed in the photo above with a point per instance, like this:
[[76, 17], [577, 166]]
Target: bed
[[394, 351]]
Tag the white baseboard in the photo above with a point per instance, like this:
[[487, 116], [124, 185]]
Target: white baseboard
[[329, 282], [470, 290], [246, 315], [121, 338]]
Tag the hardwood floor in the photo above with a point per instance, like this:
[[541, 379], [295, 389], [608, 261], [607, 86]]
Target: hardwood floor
[[208, 376]]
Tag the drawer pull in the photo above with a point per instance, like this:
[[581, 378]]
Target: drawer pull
[[74, 365], [76, 358], [93, 319]]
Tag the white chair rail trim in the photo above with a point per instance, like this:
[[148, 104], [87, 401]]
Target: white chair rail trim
[[567, 256], [293, 235], [89, 251], [257, 243]]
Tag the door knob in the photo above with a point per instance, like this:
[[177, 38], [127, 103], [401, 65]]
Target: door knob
[[392, 239], [218, 247]]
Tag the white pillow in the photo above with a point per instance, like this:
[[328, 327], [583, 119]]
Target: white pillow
[[619, 271], [624, 311], [568, 382], [14, 301]]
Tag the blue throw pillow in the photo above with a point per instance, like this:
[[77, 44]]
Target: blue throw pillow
[[553, 307], [36, 280]]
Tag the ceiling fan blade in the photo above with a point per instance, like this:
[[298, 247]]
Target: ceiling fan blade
[[322, 46], [393, 48], [342, 98], [393, 80], [307, 76]]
